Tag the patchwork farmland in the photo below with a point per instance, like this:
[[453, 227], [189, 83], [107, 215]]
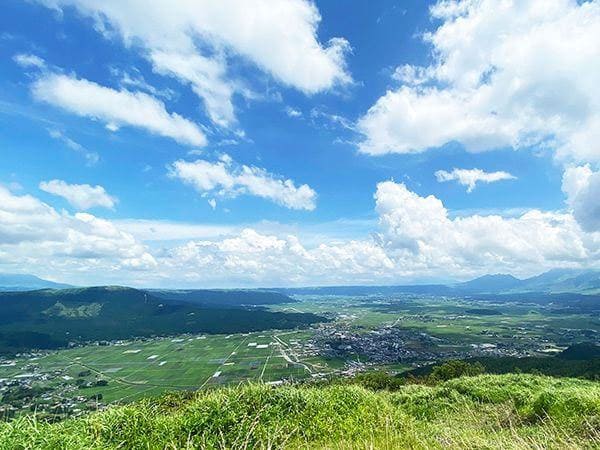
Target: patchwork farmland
[[123, 371]]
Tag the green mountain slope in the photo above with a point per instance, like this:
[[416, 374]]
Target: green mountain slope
[[53, 318], [488, 411]]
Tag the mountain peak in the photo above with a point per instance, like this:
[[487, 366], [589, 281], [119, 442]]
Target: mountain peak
[[26, 282], [491, 283]]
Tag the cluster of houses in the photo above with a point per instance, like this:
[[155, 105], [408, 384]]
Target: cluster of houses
[[52, 394]]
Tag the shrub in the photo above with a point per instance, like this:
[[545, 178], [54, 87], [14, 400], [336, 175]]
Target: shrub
[[455, 369]]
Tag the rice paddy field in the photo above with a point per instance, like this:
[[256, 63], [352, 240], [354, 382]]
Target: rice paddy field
[[141, 368]]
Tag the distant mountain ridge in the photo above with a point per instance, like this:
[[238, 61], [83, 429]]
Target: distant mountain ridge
[[556, 281], [26, 282]]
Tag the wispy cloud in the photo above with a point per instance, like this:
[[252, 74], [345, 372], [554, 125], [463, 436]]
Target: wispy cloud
[[28, 60], [470, 177], [81, 196], [91, 157]]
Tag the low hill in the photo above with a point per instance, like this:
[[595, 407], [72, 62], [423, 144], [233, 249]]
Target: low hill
[[53, 318], [579, 360], [488, 411], [24, 282], [581, 351]]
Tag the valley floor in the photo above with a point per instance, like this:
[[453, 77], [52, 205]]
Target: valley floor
[[395, 333], [487, 412]]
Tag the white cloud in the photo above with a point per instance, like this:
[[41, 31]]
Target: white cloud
[[91, 157], [510, 73], [329, 120], [226, 178], [85, 249], [416, 239], [36, 238], [207, 79], [254, 259], [582, 186], [291, 112], [116, 107], [419, 231], [470, 177], [198, 38], [28, 60], [81, 196], [136, 80]]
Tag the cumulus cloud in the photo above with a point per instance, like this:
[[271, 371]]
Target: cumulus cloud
[[36, 237], [253, 258], [470, 177], [116, 107], [197, 40], [416, 238], [226, 178], [83, 248], [81, 196], [419, 231], [504, 74], [582, 186]]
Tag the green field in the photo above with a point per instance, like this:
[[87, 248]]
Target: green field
[[139, 368]]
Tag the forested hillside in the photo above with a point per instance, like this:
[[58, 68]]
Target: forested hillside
[[53, 318]]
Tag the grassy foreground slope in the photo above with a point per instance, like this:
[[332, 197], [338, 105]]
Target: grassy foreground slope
[[488, 411]]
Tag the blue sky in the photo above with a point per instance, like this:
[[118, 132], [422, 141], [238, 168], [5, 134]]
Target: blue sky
[[187, 145]]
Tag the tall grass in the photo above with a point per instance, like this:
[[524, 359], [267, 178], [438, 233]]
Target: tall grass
[[487, 412]]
